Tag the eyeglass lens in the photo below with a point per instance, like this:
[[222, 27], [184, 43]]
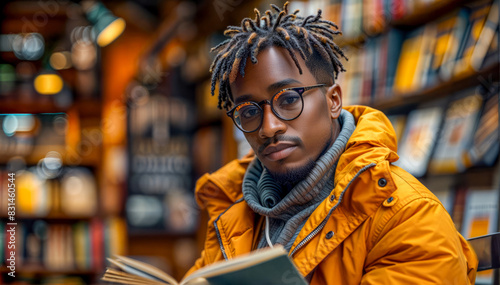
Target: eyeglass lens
[[287, 105]]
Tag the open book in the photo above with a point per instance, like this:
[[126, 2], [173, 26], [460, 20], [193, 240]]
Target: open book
[[266, 266]]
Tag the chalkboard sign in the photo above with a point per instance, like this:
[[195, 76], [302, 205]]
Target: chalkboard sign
[[160, 195]]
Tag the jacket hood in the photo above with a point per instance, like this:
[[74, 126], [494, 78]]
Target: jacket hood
[[373, 140]]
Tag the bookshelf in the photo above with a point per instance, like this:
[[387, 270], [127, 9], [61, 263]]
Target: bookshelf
[[436, 68], [64, 230], [61, 228]]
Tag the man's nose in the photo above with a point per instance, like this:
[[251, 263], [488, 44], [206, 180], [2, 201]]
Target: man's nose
[[271, 124]]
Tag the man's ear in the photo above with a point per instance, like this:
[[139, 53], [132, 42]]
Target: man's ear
[[334, 100]]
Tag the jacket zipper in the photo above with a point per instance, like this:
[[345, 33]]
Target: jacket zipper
[[323, 223], [220, 239], [217, 229]]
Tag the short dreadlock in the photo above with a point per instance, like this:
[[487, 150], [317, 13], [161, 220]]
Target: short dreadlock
[[311, 37]]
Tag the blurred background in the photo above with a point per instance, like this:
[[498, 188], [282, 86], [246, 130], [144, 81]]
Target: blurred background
[[107, 120]]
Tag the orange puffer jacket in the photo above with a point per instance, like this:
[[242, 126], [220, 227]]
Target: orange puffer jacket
[[387, 227]]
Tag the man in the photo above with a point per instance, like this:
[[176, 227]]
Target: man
[[321, 182]]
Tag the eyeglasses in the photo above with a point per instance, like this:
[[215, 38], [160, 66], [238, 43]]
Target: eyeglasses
[[287, 105]]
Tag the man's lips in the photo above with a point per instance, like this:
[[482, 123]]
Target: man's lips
[[278, 151]]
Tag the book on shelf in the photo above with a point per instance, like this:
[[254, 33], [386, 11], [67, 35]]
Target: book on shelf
[[351, 81], [407, 63], [265, 266], [379, 73], [414, 59], [374, 20], [390, 52], [427, 54], [481, 212], [492, 56], [457, 211], [444, 40], [2, 243], [368, 55], [419, 139], [446, 196], [487, 38], [352, 19], [484, 147], [456, 37], [398, 123], [479, 11], [333, 12], [396, 8], [458, 129]]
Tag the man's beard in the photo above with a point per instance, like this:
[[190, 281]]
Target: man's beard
[[291, 177]]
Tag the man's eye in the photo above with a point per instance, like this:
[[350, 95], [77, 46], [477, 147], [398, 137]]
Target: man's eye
[[288, 98], [249, 112]]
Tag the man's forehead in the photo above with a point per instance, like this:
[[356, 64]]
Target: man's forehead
[[275, 69]]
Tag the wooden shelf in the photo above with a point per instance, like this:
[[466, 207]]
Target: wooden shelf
[[86, 108], [477, 177], [441, 90], [152, 233], [54, 217], [425, 13], [41, 270]]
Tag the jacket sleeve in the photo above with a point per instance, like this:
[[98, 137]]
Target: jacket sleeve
[[215, 193], [418, 244], [210, 198]]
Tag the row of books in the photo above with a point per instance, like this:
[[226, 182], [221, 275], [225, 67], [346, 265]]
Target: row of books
[[363, 18], [73, 193], [475, 213], [401, 63], [449, 137], [64, 247]]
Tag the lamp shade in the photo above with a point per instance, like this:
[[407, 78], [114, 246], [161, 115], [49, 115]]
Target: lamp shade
[[107, 27]]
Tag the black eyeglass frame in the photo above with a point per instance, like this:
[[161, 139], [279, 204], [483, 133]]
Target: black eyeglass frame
[[299, 90]]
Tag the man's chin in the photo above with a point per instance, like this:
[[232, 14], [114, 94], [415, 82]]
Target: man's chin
[[288, 177]]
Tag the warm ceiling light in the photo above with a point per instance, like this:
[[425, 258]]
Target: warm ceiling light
[[107, 26], [111, 32], [48, 84]]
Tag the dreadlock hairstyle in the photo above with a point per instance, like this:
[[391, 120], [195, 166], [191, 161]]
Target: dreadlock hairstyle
[[311, 37]]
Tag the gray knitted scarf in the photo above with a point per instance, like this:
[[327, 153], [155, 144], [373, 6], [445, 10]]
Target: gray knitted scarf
[[288, 212]]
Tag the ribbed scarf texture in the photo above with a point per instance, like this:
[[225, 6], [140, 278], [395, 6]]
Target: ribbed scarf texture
[[288, 212]]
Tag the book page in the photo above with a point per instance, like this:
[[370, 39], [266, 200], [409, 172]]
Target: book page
[[118, 276], [138, 266]]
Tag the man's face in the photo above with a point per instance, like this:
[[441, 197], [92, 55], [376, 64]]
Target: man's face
[[286, 147]]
